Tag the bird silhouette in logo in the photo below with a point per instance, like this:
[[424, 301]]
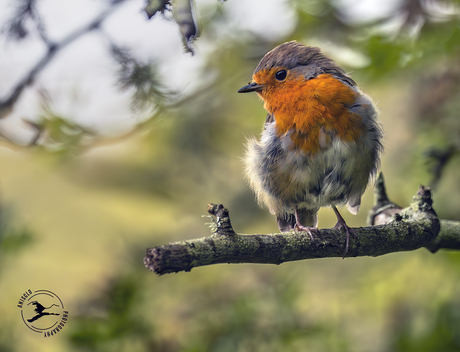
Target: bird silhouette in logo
[[39, 309]]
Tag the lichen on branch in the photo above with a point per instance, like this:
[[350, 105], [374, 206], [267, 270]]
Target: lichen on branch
[[398, 230]]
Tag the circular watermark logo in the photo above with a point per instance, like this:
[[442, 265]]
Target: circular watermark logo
[[43, 311]]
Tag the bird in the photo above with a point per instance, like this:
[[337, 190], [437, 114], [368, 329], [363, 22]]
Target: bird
[[321, 143]]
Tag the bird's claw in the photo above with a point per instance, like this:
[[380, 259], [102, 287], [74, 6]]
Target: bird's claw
[[307, 229], [341, 225]]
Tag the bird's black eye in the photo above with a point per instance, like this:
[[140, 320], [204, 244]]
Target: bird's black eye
[[281, 75]]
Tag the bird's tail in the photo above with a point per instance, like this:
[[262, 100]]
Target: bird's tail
[[307, 217]]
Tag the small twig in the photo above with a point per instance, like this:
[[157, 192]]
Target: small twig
[[384, 209], [223, 225], [184, 16], [39, 24], [6, 104], [439, 158]]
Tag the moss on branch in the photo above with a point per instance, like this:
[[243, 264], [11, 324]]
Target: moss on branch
[[393, 229]]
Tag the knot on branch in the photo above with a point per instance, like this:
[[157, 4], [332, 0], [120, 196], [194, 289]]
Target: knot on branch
[[222, 220], [424, 200], [422, 204]]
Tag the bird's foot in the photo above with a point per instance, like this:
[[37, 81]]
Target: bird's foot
[[308, 229], [342, 225]]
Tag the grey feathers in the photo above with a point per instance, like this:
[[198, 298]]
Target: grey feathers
[[310, 59]]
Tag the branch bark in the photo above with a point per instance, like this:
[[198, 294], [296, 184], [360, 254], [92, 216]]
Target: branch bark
[[393, 229]]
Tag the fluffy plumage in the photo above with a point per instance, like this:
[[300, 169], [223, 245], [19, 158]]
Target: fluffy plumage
[[321, 141]]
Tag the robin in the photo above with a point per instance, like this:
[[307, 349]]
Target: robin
[[321, 141]]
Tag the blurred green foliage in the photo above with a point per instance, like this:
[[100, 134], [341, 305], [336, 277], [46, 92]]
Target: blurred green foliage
[[152, 188], [112, 321], [441, 335], [12, 237]]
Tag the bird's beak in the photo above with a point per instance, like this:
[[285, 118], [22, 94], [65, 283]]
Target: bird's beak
[[251, 87]]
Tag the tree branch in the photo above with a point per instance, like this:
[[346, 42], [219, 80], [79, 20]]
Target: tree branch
[[7, 103], [406, 229]]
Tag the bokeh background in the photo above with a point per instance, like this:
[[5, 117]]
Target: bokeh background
[[123, 138]]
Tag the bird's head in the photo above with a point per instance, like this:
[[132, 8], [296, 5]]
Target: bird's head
[[283, 71], [306, 93]]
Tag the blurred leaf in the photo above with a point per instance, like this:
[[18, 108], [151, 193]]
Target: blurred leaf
[[13, 238], [112, 321], [143, 78], [184, 15], [442, 333], [386, 56], [154, 6]]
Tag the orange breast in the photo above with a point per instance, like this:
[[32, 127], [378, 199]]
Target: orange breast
[[314, 110]]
